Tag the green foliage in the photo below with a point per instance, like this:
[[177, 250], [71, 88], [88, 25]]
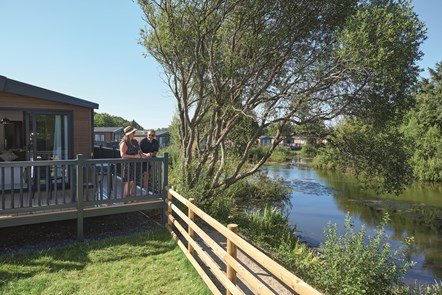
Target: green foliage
[[241, 135], [259, 191], [380, 41], [376, 156], [269, 228], [281, 154], [238, 68], [309, 151], [350, 265], [106, 120], [423, 129], [424, 289]]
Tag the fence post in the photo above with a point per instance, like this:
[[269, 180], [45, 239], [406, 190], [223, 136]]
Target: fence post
[[165, 189], [231, 250], [79, 190], [169, 208], [191, 216]]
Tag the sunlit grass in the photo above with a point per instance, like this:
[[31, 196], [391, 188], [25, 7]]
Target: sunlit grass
[[148, 263]]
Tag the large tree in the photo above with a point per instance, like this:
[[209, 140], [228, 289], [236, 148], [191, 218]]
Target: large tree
[[285, 62], [423, 128]]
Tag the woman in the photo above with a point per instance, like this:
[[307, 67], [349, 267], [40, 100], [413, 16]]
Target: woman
[[129, 149]]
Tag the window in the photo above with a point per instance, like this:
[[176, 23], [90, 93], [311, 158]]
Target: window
[[99, 137], [49, 135]]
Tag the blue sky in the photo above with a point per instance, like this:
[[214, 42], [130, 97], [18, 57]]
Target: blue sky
[[89, 49]]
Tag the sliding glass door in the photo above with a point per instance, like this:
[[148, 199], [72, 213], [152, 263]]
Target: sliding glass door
[[49, 135]]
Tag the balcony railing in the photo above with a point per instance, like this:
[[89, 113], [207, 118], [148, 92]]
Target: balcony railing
[[39, 191]]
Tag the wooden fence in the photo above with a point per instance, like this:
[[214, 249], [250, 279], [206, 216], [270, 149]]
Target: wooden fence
[[234, 242], [44, 191]]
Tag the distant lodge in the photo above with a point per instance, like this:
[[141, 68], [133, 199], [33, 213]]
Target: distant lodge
[[290, 141], [111, 136]]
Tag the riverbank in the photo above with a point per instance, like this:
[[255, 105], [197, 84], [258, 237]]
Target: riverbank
[[322, 197]]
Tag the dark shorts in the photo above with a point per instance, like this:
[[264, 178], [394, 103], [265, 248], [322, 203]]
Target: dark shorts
[[130, 171], [145, 167]]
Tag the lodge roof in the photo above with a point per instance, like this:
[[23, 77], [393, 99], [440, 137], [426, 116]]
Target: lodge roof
[[20, 88], [108, 129]]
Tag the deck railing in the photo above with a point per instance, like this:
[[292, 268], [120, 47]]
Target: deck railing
[[42, 191], [198, 240]]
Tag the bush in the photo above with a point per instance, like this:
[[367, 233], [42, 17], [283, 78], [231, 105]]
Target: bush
[[350, 265], [309, 151], [280, 153], [269, 229], [260, 191]]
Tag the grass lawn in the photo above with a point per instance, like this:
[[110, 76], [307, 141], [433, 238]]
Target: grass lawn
[[147, 263]]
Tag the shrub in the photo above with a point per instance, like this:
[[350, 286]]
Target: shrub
[[350, 265], [309, 151], [269, 228], [280, 153]]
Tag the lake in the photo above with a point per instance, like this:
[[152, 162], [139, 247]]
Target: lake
[[320, 197]]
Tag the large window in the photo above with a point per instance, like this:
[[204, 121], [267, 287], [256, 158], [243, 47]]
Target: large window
[[49, 136]]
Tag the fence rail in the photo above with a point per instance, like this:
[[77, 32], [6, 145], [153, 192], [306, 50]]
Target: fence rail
[[43, 191], [233, 266]]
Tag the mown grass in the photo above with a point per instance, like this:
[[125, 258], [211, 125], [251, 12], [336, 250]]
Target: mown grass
[[147, 263]]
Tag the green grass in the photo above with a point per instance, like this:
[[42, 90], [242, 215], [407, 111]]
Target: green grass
[[147, 263]]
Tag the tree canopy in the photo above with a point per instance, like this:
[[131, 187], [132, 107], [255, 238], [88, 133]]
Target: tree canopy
[[423, 128], [238, 67], [106, 120]]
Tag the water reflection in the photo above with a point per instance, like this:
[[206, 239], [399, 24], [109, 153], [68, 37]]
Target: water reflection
[[320, 197]]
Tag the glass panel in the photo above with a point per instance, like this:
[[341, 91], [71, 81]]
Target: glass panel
[[51, 137]]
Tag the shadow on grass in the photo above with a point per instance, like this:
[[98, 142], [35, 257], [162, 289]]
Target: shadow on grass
[[76, 257]]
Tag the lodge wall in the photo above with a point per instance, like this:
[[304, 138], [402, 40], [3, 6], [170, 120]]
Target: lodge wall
[[82, 118]]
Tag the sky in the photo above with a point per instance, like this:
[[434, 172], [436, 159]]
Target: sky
[[89, 49]]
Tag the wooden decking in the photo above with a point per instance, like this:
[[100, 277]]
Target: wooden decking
[[74, 189], [103, 191]]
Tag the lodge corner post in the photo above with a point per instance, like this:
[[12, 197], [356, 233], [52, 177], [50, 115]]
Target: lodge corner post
[[79, 190], [165, 188]]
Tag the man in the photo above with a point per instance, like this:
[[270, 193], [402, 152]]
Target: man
[[149, 146]]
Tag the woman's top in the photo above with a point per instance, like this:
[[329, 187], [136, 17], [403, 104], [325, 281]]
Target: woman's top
[[132, 147]]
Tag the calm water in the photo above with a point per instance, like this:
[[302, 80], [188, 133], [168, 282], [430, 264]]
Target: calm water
[[322, 197]]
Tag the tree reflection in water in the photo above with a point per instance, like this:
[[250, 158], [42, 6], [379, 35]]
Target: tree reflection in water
[[320, 197]]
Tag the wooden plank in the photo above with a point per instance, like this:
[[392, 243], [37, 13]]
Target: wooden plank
[[37, 218], [272, 266], [195, 264], [214, 268], [250, 278], [123, 208]]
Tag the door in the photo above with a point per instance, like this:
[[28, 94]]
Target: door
[[49, 136]]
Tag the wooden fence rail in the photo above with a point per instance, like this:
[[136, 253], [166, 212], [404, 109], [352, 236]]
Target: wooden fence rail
[[234, 242]]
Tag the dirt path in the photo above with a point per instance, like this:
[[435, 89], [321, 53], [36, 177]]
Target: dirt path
[[266, 278]]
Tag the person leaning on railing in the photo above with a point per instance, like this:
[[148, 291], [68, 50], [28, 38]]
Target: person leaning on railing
[[129, 149], [149, 147]]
